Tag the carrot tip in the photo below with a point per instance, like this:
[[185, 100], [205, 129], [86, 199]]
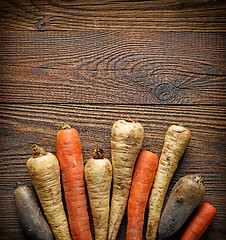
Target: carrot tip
[[66, 127]]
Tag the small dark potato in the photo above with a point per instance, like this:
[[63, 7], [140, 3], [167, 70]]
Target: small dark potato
[[30, 216], [184, 198]]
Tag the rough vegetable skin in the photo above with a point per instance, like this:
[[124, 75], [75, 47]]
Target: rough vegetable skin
[[30, 216], [44, 172], [69, 153], [184, 198], [126, 141], [143, 177], [98, 176], [200, 222], [176, 141]]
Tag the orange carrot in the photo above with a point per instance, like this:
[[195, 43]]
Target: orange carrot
[[200, 222], [69, 153], [144, 174]]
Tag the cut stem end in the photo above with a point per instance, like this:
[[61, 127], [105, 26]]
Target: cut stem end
[[98, 153], [38, 151], [131, 120]]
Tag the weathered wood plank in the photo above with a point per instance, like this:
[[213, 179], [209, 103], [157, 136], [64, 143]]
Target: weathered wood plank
[[166, 15], [134, 67], [22, 125]]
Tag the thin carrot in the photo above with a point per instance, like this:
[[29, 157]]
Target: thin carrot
[[144, 174], [69, 153], [200, 222]]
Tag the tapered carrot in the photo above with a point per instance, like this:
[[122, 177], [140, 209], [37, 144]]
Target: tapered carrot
[[69, 153], [143, 177], [200, 222]]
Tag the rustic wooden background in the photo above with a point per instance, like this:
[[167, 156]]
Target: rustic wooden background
[[90, 63]]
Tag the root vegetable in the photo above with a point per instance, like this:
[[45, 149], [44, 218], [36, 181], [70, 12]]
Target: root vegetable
[[44, 172], [143, 177], [69, 153], [98, 176], [200, 222], [30, 216], [184, 198], [176, 141], [126, 142]]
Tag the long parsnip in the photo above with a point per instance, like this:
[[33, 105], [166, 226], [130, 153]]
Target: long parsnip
[[126, 142], [44, 172], [176, 141], [98, 176]]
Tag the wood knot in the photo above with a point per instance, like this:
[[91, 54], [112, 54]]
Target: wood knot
[[180, 6], [43, 24], [165, 91]]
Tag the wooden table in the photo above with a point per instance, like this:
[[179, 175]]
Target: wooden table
[[90, 63]]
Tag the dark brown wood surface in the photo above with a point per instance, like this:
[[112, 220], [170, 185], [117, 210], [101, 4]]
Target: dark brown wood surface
[[90, 63]]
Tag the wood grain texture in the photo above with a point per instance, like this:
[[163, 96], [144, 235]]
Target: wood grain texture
[[26, 124], [207, 15], [160, 67], [89, 63]]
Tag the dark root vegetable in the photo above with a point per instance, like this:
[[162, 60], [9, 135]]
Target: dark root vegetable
[[30, 216], [184, 198]]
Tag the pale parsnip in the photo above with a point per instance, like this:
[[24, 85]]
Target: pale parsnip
[[98, 176], [44, 172], [176, 141], [126, 142]]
